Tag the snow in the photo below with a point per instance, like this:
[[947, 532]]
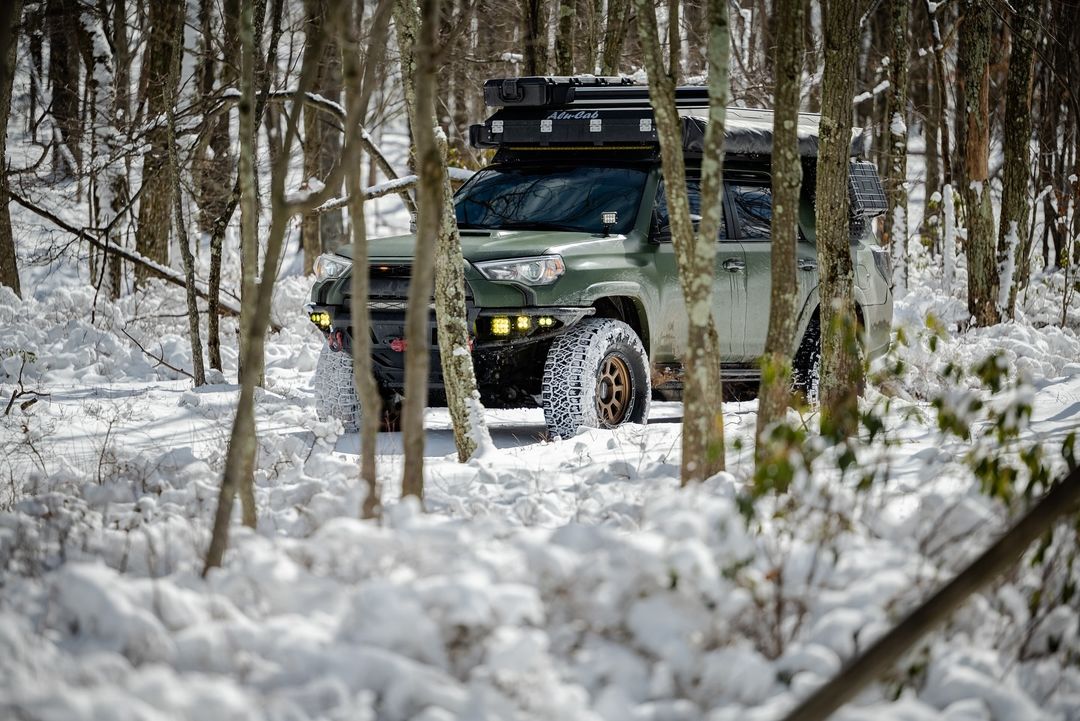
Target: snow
[[567, 579]]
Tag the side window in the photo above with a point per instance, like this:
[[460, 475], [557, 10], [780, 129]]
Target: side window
[[693, 191], [753, 209]]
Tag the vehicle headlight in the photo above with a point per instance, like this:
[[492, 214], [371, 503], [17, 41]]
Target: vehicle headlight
[[331, 266], [542, 270]]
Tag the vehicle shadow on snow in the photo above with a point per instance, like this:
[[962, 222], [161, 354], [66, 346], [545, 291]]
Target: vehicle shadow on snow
[[516, 428]]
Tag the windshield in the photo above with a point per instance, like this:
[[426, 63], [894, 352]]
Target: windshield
[[550, 198]]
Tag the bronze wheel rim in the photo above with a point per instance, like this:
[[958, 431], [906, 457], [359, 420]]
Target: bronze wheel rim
[[613, 391]]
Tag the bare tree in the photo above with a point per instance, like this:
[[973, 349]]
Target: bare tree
[[534, 30], [615, 30], [162, 72], [63, 29], [973, 66], [10, 15], [786, 181], [240, 458], [896, 116], [1013, 238], [359, 86], [703, 419], [841, 368], [322, 139], [564, 38]]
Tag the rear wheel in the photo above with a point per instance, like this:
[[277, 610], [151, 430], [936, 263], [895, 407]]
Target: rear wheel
[[596, 375], [335, 391]]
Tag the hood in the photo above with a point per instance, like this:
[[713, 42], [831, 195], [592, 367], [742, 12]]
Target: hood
[[481, 245]]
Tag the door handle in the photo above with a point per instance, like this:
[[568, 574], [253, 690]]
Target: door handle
[[734, 265], [807, 264]]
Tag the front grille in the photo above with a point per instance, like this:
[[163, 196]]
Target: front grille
[[387, 303]]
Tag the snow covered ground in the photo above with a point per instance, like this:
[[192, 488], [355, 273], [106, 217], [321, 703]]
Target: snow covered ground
[[548, 580]]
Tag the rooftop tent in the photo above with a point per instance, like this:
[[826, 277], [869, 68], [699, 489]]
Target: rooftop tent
[[594, 112], [613, 115]]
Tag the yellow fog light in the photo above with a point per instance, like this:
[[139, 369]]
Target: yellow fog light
[[524, 322], [545, 321], [500, 325], [321, 319]]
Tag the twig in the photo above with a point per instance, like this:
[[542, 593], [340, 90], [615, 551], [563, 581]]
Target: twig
[[159, 358]]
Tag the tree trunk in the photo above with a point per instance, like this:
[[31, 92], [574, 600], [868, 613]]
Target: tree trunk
[[357, 93], [164, 49], [564, 38], [703, 420], [61, 17], [240, 458], [1013, 237], [841, 368], [674, 44], [416, 41], [322, 140], [250, 362], [618, 20], [10, 16], [194, 336], [534, 29], [973, 68], [786, 181], [941, 106], [896, 234], [223, 204]]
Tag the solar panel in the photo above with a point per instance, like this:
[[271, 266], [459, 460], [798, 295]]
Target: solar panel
[[864, 187]]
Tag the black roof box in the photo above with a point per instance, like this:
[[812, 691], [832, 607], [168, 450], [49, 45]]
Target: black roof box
[[546, 91]]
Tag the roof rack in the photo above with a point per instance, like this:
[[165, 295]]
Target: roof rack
[[581, 90]]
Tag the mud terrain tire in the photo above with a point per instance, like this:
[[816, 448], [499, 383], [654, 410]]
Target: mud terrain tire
[[596, 375], [335, 392]]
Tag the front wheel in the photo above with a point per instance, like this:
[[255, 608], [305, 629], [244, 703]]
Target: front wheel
[[596, 375], [335, 390]]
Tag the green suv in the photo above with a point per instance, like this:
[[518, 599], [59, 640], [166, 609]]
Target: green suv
[[572, 294]]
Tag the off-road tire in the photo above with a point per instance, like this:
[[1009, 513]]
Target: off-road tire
[[806, 366], [578, 378], [335, 391]]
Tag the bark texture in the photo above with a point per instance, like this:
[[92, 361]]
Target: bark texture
[[62, 20], [1013, 236], [358, 89], [322, 138], [165, 47], [618, 23], [896, 116], [841, 368], [534, 29], [775, 391], [973, 66], [703, 420], [9, 41], [416, 39], [564, 38]]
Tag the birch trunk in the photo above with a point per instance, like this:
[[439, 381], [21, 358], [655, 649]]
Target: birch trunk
[[841, 368], [973, 65], [1017, 142], [10, 17], [775, 391], [703, 420]]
